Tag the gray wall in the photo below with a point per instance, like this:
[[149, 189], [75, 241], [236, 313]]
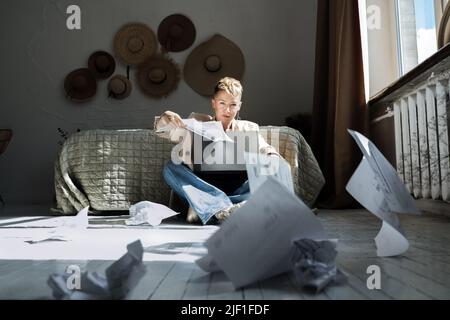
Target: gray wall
[[276, 37]]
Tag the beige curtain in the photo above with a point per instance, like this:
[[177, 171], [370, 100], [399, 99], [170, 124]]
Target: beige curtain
[[339, 98]]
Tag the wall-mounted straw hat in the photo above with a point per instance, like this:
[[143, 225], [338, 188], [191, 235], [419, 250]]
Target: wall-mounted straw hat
[[212, 60], [80, 85], [176, 33], [135, 43], [119, 87], [159, 76]]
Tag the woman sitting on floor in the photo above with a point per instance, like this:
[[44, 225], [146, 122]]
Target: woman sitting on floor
[[206, 198]]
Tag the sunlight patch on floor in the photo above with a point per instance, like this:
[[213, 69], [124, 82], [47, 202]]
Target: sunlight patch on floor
[[105, 239]]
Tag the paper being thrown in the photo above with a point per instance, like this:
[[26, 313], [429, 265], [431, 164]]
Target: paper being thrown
[[313, 263], [376, 185], [149, 212], [121, 277], [260, 166], [241, 247], [211, 130]]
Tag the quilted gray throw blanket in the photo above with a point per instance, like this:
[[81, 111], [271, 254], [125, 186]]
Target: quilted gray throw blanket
[[113, 169]]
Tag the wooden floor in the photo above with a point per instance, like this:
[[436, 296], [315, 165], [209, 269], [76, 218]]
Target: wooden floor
[[422, 273]]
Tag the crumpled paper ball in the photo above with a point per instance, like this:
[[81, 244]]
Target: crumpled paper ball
[[148, 212], [314, 266], [121, 277]]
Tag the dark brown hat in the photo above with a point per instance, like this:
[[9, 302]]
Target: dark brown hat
[[102, 64], [159, 76], [135, 43], [176, 33], [119, 87], [211, 61], [80, 85]]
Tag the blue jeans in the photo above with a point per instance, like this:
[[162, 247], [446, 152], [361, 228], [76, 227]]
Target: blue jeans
[[202, 196]]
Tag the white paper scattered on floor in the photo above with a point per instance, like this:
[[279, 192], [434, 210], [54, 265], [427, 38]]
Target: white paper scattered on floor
[[376, 185], [105, 243], [149, 212], [63, 228], [260, 166], [256, 242]]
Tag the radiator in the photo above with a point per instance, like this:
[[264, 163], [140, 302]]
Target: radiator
[[421, 139]]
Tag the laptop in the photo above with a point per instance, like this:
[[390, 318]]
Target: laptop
[[223, 156]]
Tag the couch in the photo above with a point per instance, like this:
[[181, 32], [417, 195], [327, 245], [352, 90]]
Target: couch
[[109, 170]]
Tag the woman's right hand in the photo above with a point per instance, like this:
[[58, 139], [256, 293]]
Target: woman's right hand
[[173, 118]]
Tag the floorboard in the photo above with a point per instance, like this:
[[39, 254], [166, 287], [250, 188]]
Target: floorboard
[[423, 272]]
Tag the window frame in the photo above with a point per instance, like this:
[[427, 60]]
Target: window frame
[[380, 79], [439, 7]]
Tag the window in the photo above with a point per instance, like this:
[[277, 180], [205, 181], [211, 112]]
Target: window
[[416, 32], [397, 35]]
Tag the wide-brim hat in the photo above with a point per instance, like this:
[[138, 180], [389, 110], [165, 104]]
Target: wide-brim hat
[[102, 64], [135, 43], [211, 61], [159, 76], [444, 28], [119, 87], [80, 85], [176, 33]]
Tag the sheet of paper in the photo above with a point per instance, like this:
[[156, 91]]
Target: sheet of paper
[[260, 167], [211, 130], [390, 242], [397, 196], [125, 273], [65, 228], [255, 243], [364, 187], [376, 185], [149, 212]]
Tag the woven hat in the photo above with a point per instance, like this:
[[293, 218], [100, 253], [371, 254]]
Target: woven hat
[[102, 64], [135, 43], [211, 61], [80, 85], [176, 33], [159, 76], [119, 87], [444, 28]]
